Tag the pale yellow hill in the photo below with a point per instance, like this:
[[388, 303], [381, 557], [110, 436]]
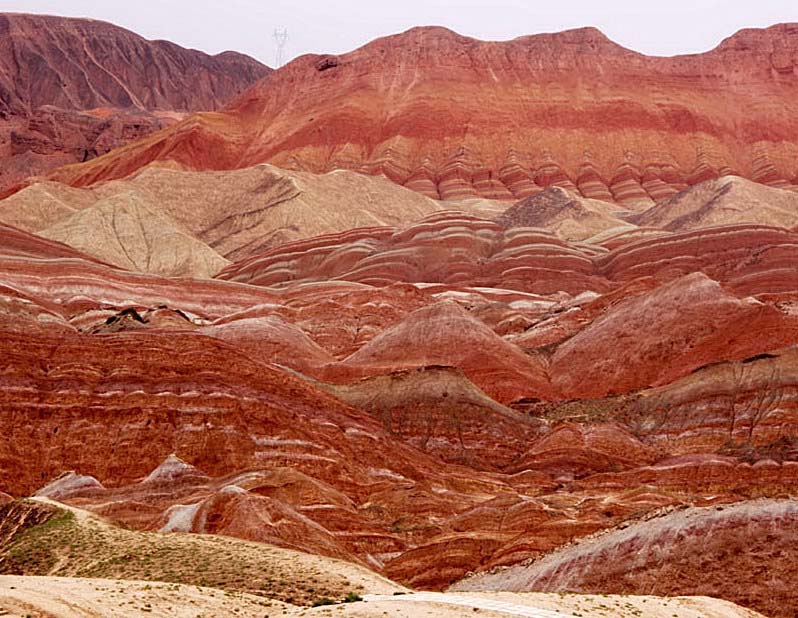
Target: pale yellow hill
[[234, 212], [122, 230], [569, 216], [41, 537], [723, 201]]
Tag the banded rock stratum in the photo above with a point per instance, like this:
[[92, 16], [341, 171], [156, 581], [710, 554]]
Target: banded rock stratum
[[439, 314]]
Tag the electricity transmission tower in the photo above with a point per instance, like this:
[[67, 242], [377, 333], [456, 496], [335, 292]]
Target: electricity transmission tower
[[280, 39]]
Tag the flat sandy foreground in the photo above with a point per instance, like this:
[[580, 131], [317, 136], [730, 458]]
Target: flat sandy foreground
[[62, 597]]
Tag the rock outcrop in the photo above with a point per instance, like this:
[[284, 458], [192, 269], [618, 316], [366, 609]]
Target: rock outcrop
[[721, 551], [234, 214], [120, 230], [445, 334], [439, 410], [272, 339], [567, 109], [747, 408], [571, 217], [663, 335], [73, 89], [723, 201], [110, 67]]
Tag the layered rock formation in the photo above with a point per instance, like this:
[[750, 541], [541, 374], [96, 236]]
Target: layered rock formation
[[448, 248], [571, 218], [724, 201], [747, 409], [719, 551], [454, 248], [423, 429], [122, 231], [657, 337], [438, 409], [571, 109], [430, 388], [173, 222], [72, 89], [445, 334]]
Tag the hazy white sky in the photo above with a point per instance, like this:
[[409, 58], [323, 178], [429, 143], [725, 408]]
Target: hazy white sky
[[664, 27]]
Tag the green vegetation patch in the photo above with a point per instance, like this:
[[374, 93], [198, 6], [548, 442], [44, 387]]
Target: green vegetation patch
[[63, 544]]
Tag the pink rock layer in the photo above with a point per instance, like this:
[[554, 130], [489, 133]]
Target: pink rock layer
[[424, 428], [453, 117]]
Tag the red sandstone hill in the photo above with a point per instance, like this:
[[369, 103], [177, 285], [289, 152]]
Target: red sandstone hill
[[453, 117], [721, 551], [84, 64], [316, 412], [435, 393], [71, 89]]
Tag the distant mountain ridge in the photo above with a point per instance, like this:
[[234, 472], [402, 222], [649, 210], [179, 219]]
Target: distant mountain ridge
[[453, 117], [83, 64], [73, 89]]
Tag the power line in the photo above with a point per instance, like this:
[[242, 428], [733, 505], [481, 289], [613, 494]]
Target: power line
[[280, 39]]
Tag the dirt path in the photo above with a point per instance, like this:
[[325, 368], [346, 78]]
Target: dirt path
[[471, 602], [542, 605], [64, 597]]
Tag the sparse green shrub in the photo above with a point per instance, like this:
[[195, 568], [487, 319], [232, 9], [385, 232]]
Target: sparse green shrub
[[352, 597]]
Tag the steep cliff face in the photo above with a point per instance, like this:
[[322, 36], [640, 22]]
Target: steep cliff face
[[453, 117], [73, 89], [82, 64]]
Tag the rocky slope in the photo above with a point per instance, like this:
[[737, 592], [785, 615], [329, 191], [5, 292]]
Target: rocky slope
[[720, 551], [451, 249], [50, 538], [554, 241], [110, 67], [723, 201], [571, 109], [447, 248], [49, 137], [72, 89], [566, 214], [425, 430], [234, 214], [122, 231], [439, 410], [428, 389]]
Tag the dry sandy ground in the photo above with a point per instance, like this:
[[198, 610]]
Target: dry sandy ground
[[65, 597], [232, 557], [540, 605], [55, 597]]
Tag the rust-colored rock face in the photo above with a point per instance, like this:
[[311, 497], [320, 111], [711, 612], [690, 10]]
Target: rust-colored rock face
[[720, 551], [325, 396], [73, 89], [596, 366], [453, 117], [109, 66]]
